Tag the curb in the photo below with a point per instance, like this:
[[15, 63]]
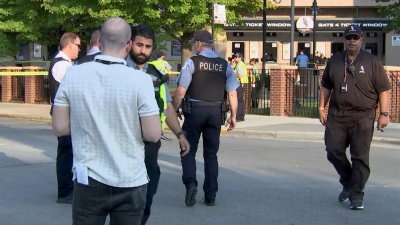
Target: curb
[[242, 133]]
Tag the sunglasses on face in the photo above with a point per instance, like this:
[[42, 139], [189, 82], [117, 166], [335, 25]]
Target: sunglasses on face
[[353, 37]]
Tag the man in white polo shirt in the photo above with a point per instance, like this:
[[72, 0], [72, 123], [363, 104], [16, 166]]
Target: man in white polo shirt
[[109, 109]]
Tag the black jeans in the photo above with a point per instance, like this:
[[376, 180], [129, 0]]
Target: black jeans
[[240, 97], [153, 171], [358, 135], [204, 120], [92, 203], [64, 166]]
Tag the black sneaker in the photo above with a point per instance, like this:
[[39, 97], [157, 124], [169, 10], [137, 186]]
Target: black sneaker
[[209, 201], [190, 198], [65, 200], [356, 204], [344, 195]]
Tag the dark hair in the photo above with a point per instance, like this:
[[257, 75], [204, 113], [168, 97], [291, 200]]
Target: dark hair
[[160, 53], [142, 30]]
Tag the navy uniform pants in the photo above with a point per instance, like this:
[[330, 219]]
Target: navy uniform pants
[[64, 166], [358, 135], [153, 171], [206, 121]]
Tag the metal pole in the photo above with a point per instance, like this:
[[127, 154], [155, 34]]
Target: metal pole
[[212, 20], [291, 32], [315, 11], [264, 58]]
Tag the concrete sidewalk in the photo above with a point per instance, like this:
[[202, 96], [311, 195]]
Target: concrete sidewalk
[[256, 126]]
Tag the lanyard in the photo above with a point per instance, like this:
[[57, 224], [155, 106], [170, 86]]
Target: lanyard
[[345, 66]]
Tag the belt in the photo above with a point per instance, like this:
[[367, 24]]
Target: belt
[[205, 104]]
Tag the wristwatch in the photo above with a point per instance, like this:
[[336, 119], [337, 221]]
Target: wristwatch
[[179, 134], [385, 113]]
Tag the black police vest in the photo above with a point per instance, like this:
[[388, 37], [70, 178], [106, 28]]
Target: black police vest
[[53, 84], [161, 79], [208, 79], [87, 58]]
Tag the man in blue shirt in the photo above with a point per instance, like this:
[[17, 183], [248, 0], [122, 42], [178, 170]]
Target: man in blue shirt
[[302, 60], [203, 81]]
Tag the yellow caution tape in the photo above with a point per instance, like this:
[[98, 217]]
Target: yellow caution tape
[[24, 73]]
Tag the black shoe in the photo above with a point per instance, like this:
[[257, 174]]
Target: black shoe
[[344, 195], [65, 200], [356, 204], [209, 201], [190, 198]]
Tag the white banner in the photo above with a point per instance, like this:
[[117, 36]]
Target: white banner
[[219, 14]]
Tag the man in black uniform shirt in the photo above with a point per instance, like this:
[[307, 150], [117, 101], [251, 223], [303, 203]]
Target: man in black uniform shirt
[[355, 81], [203, 79]]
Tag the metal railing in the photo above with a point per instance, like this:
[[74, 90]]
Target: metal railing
[[302, 93], [394, 80], [259, 92]]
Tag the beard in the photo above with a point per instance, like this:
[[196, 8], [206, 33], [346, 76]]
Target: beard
[[139, 59]]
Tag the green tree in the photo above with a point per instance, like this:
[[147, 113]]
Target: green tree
[[44, 21], [391, 11]]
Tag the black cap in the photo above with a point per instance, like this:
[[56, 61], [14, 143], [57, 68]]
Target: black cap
[[353, 30], [204, 36]]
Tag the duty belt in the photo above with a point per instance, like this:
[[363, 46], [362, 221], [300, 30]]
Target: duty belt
[[205, 104]]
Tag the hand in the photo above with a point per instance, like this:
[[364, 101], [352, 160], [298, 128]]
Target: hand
[[322, 116], [231, 123], [184, 145], [179, 114], [382, 122]]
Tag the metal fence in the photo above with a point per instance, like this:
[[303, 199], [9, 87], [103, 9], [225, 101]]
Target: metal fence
[[43, 93], [302, 93], [259, 92], [18, 88], [394, 79]]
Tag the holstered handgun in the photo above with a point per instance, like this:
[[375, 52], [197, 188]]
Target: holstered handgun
[[185, 105]]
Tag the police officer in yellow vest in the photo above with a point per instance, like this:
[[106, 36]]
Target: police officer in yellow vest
[[243, 78], [142, 46]]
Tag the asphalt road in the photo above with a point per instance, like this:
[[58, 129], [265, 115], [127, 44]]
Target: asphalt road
[[261, 182]]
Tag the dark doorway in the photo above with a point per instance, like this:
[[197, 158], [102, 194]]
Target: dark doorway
[[305, 46], [372, 48], [272, 51], [238, 47], [336, 48]]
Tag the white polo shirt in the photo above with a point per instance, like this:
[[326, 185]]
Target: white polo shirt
[[106, 103]]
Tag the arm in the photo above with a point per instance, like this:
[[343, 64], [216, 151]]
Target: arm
[[231, 122], [61, 121], [324, 96], [151, 128], [174, 125], [383, 106]]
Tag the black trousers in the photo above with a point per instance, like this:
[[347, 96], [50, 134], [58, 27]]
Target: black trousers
[[92, 203], [358, 135], [64, 166], [240, 108], [153, 171], [206, 121]]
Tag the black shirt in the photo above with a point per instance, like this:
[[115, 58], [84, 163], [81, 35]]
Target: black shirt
[[366, 78]]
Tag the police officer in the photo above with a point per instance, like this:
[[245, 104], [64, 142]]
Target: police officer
[[355, 82], [142, 46], [201, 84], [70, 47]]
